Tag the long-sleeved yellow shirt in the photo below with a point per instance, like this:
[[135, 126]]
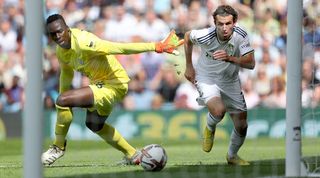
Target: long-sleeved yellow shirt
[[95, 58]]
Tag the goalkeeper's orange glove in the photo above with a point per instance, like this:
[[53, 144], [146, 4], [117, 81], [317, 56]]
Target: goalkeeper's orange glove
[[169, 44]]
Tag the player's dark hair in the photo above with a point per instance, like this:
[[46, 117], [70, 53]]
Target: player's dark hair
[[225, 10], [55, 17]]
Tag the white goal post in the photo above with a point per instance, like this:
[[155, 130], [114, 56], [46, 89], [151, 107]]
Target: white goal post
[[293, 111], [33, 110]]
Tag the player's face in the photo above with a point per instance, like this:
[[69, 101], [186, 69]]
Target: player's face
[[60, 33], [224, 25]]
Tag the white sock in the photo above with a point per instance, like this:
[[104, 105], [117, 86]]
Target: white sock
[[212, 122], [236, 142]]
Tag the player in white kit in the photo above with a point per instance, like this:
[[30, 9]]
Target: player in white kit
[[225, 48]]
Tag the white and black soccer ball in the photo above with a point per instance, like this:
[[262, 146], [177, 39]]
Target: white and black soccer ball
[[154, 158]]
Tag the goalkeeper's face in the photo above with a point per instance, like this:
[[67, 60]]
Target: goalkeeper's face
[[59, 32]]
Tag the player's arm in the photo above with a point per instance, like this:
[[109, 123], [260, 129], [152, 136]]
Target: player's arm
[[112, 48], [247, 55], [246, 61], [188, 47], [66, 76], [168, 45]]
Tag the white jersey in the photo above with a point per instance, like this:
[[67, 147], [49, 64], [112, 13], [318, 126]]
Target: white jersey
[[212, 71]]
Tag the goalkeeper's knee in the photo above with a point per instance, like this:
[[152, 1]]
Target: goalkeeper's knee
[[94, 121]]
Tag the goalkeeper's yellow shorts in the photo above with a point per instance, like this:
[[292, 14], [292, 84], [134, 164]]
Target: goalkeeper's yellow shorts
[[106, 96]]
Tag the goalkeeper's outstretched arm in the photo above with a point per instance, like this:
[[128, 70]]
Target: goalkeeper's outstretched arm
[[167, 45]]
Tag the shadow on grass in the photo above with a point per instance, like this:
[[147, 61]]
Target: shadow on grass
[[262, 168]]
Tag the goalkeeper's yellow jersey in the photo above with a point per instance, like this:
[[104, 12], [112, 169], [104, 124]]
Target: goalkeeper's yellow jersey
[[95, 58]]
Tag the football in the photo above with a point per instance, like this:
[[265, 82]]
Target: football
[[154, 157]]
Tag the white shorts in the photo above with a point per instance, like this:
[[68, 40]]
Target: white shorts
[[230, 94]]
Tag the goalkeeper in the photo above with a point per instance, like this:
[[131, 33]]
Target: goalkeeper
[[79, 50]]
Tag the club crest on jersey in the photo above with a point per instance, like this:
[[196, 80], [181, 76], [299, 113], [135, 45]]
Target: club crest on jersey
[[230, 49]]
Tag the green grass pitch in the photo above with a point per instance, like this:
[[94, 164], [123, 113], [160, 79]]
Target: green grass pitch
[[185, 159]]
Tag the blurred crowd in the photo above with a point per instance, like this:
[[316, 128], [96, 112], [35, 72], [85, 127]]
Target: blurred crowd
[[157, 80]]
